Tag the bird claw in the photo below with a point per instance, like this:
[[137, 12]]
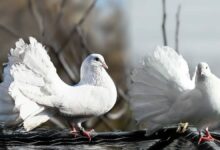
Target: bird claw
[[182, 127], [88, 133], [74, 132], [206, 137]]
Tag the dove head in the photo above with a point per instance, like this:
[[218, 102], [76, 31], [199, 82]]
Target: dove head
[[203, 70], [93, 67], [94, 61]]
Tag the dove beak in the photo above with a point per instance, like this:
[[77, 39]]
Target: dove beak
[[202, 73], [104, 65]]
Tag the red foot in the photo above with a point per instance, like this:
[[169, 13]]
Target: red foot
[[74, 132], [88, 134], [206, 137]]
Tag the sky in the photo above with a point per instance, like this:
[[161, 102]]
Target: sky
[[199, 34]]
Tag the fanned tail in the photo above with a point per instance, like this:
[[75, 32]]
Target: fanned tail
[[157, 83], [32, 73]]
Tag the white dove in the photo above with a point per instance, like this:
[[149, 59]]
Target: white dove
[[162, 92], [36, 81]]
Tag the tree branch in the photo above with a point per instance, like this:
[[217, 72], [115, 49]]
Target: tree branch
[[158, 139], [164, 23], [82, 20], [77, 29], [177, 28]]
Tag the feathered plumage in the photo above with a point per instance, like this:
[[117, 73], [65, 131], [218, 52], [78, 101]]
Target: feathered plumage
[[36, 86], [163, 93]]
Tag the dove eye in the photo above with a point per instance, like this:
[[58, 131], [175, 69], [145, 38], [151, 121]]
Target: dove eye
[[206, 67], [96, 59]]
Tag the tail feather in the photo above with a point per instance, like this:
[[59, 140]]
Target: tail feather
[[149, 80], [33, 73], [26, 76], [158, 83], [34, 56]]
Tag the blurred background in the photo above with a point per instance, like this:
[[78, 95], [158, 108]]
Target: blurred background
[[191, 27], [122, 31]]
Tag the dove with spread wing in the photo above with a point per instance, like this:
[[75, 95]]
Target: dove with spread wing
[[37, 88], [162, 92]]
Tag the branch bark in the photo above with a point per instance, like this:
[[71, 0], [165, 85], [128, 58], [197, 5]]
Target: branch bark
[[158, 139]]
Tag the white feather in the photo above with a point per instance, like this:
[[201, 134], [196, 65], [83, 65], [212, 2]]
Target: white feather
[[37, 86], [29, 111], [158, 82], [162, 92]]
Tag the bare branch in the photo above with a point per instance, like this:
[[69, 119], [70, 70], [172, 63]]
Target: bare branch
[[177, 28], [67, 68], [76, 28], [159, 139], [87, 13], [164, 23]]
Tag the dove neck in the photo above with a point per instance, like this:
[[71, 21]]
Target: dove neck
[[204, 83], [96, 76]]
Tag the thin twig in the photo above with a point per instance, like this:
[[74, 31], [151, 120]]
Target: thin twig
[[164, 23], [82, 20], [67, 68], [177, 28]]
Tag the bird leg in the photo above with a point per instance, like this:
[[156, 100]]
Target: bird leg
[[74, 130], [84, 132], [206, 137], [182, 127]]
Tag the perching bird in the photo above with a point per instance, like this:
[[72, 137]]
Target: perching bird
[[35, 81], [162, 92]]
